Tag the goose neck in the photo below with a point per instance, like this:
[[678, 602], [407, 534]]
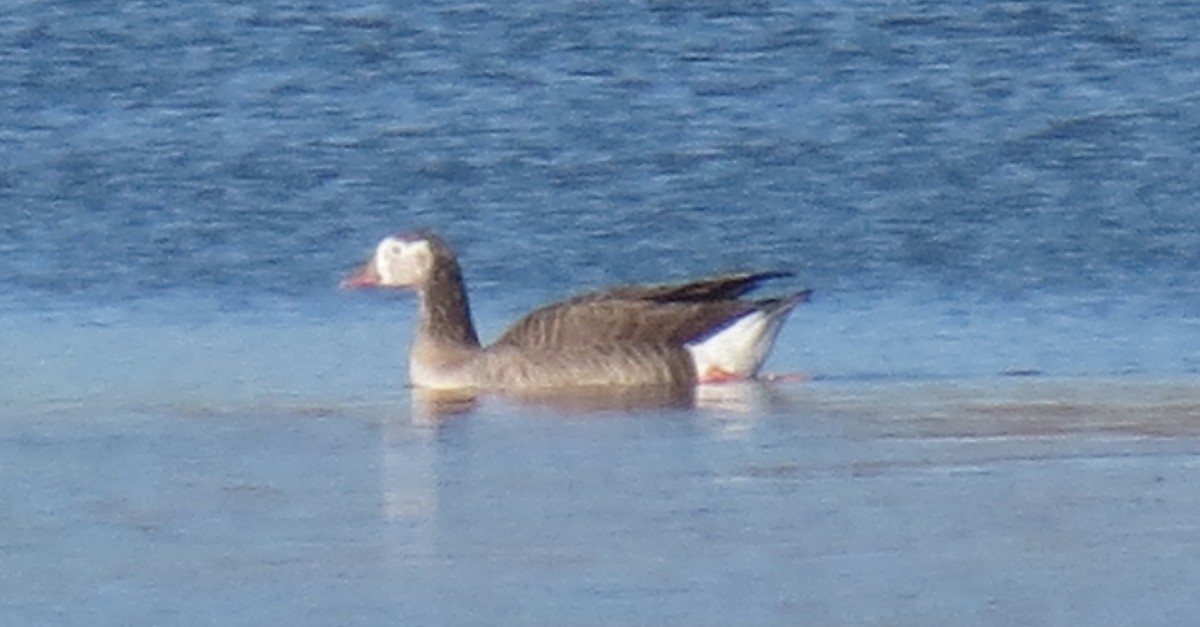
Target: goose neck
[[445, 310]]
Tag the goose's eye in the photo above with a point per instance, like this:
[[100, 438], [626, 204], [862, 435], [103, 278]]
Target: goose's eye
[[396, 250]]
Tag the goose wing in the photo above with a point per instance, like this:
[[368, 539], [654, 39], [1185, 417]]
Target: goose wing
[[653, 314], [707, 290]]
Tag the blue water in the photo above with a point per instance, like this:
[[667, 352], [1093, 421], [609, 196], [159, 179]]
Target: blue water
[[974, 190], [1033, 160]]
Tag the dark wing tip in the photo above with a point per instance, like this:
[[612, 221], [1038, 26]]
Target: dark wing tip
[[754, 279], [784, 302]]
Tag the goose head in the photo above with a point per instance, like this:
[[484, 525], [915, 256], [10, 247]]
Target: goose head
[[399, 261]]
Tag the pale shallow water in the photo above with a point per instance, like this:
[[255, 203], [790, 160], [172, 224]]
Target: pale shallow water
[[229, 471], [1015, 501]]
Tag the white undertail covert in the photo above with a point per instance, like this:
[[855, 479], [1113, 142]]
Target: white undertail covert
[[740, 348]]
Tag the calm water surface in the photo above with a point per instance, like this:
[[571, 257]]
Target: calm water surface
[[993, 201]]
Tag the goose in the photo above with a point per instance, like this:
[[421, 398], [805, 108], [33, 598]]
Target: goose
[[680, 334]]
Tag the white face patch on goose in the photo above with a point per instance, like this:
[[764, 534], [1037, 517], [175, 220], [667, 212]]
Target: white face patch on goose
[[400, 262]]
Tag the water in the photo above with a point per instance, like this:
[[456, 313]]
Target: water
[[993, 202]]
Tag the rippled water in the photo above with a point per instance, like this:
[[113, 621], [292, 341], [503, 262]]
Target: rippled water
[[975, 190], [220, 149]]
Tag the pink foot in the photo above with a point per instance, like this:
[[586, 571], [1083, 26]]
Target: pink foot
[[717, 375]]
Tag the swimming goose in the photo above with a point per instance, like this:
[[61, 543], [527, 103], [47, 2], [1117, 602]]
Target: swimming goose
[[680, 334]]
